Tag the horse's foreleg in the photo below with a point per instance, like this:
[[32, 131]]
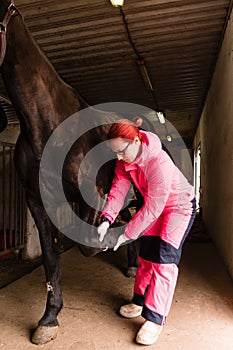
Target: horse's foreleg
[[48, 325]]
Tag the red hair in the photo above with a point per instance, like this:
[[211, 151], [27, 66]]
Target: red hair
[[124, 129]]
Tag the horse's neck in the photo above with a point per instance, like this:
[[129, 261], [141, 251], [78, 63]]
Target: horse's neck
[[35, 89]]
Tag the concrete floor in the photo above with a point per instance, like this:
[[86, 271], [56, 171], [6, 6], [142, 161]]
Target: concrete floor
[[201, 317]]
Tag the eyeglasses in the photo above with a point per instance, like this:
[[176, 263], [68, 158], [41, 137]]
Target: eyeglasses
[[122, 153]]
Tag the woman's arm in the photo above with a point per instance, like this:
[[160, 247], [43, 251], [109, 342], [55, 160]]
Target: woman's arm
[[119, 189]]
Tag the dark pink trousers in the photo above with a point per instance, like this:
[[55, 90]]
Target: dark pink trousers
[[160, 253]]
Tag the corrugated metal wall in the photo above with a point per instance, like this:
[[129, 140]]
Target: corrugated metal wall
[[87, 43]]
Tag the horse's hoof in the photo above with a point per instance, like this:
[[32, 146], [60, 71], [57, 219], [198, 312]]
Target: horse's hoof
[[131, 272], [44, 334]]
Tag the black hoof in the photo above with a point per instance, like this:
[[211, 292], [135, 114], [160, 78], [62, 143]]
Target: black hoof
[[131, 272]]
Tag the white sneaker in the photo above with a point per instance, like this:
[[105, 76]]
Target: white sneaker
[[130, 310], [148, 334]]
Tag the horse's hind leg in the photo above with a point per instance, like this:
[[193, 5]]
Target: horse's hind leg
[[48, 325], [131, 247], [132, 259]]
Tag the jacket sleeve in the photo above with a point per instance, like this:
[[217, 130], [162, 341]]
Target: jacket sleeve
[[119, 189], [159, 180]]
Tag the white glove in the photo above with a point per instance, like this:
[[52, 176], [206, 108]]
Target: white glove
[[102, 230], [121, 239]]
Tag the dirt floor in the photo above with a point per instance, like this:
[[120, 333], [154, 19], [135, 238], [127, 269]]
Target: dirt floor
[[12, 268], [201, 317]]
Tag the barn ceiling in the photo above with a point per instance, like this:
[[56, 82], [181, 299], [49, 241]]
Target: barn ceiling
[[95, 48]]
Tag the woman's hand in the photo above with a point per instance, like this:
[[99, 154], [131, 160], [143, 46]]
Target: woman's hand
[[121, 239], [102, 230]]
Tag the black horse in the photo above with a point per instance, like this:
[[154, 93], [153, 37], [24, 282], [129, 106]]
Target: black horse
[[42, 101]]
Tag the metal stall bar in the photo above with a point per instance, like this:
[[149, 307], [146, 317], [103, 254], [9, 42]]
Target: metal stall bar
[[12, 204]]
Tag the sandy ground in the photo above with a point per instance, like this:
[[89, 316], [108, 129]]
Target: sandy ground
[[201, 316]]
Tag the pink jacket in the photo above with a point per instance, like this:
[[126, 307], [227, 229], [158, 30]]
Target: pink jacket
[[161, 183]]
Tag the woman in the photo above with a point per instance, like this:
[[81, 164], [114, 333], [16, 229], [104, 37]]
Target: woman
[[163, 222]]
